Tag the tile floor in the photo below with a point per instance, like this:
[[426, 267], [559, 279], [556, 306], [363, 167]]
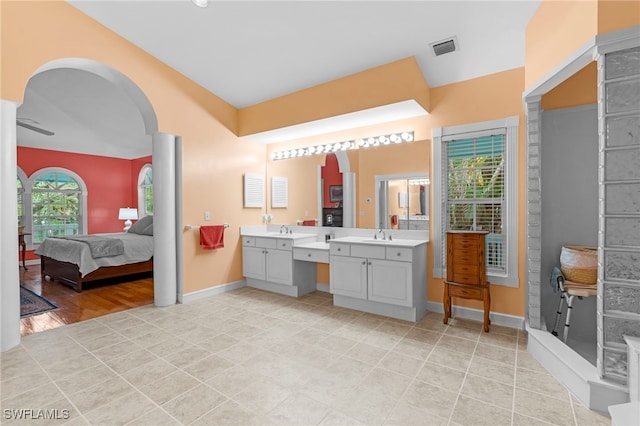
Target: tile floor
[[252, 357]]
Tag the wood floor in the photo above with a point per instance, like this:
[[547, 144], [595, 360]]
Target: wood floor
[[98, 299]]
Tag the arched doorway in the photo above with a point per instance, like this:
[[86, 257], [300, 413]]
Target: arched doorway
[[165, 151]]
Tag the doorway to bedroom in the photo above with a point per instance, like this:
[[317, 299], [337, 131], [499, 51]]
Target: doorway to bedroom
[[92, 122]]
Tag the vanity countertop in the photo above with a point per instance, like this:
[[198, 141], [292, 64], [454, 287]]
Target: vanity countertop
[[372, 241], [294, 236], [317, 245]]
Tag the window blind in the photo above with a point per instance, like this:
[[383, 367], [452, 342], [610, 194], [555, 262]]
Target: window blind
[[475, 176]]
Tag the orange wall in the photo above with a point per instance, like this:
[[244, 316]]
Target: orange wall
[[617, 14], [454, 104], [557, 29], [213, 158], [398, 81], [580, 89]]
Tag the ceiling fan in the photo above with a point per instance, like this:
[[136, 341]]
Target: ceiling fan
[[30, 124]]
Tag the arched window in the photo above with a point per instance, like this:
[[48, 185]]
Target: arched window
[[145, 191], [58, 204], [21, 181]]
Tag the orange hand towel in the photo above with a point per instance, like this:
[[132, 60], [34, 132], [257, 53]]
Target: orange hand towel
[[212, 237], [308, 223]]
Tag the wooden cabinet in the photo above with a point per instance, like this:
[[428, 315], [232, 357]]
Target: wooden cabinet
[[467, 271]]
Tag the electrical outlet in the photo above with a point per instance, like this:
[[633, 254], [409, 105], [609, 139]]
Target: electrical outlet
[[207, 215], [306, 213]]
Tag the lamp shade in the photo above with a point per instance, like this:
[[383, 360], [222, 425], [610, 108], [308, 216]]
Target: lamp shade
[[128, 213]]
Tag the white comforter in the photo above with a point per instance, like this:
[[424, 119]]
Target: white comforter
[[137, 248]]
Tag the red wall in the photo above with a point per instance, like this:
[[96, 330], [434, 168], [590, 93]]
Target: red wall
[[111, 182], [331, 175]]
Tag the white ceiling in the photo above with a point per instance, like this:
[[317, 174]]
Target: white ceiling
[[248, 52]]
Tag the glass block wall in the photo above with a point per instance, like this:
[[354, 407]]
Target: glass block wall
[[619, 227]]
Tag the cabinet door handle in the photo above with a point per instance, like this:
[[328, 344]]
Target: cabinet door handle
[[364, 262], [309, 255], [339, 249], [369, 263], [284, 244], [398, 253]]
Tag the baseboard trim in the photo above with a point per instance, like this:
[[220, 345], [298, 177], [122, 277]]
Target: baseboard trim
[[497, 318], [323, 287], [213, 291]]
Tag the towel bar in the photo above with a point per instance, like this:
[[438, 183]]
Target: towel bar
[[189, 227]]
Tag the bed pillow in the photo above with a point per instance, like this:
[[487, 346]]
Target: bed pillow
[[143, 226]]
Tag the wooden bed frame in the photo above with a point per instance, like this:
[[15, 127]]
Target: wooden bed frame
[[69, 273]]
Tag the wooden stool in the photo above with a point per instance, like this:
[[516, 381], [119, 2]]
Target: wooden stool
[[467, 291]]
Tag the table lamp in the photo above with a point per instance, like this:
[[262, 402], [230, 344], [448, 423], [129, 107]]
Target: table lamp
[[126, 214]]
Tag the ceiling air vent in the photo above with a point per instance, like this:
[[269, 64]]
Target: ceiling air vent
[[445, 46]]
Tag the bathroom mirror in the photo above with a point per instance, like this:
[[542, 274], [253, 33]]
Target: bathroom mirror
[[402, 201], [356, 171]]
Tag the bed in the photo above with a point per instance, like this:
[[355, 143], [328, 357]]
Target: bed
[[70, 260]]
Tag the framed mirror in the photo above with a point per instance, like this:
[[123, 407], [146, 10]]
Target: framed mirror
[[402, 201]]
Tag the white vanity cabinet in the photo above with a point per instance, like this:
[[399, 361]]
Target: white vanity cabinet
[[385, 278], [268, 264]]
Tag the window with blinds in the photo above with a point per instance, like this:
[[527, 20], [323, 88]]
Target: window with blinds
[[475, 177]]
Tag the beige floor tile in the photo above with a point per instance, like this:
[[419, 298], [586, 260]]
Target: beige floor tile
[[69, 366], [86, 378], [381, 339], [496, 353], [464, 332], [509, 341], [464, 322], [17, 385], [169, 387], [414, 348], [441, 376], [388, 383], [148, 372], [92, 397], [431, 399], [38, 397], [187, 355], [541, 382], [228, 413], [526, 360], [541, 407], [367, 353], [208, 367], [404, 414], [262, 396], [501, 329], [155, 417], [104, 341], [522, 420], [115, 351], [472, 412], [433, 323], [402, 364], [299, 410], [497, 371], [233, 380], [120, 411], [194, 403], [489, 391], [310, 336], [131, 360], [452, 359], [335, 418], [337, 344], [457, 344], [423, 336]]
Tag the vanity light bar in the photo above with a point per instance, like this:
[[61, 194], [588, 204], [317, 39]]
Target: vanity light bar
[[392, 138]]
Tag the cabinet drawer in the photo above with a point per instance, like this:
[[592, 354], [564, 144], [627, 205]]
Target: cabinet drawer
[[467, 292], [368, 250], [339, 249], [265, 242], [466, 269], [465, 278], [466, 259], [283, 244], [248, 241], [403, 254], [311, 255]]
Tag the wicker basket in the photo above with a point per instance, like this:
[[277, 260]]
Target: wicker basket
[[579, 264]]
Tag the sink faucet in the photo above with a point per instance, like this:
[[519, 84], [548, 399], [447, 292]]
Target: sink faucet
[[375, 236], [284, 229]]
